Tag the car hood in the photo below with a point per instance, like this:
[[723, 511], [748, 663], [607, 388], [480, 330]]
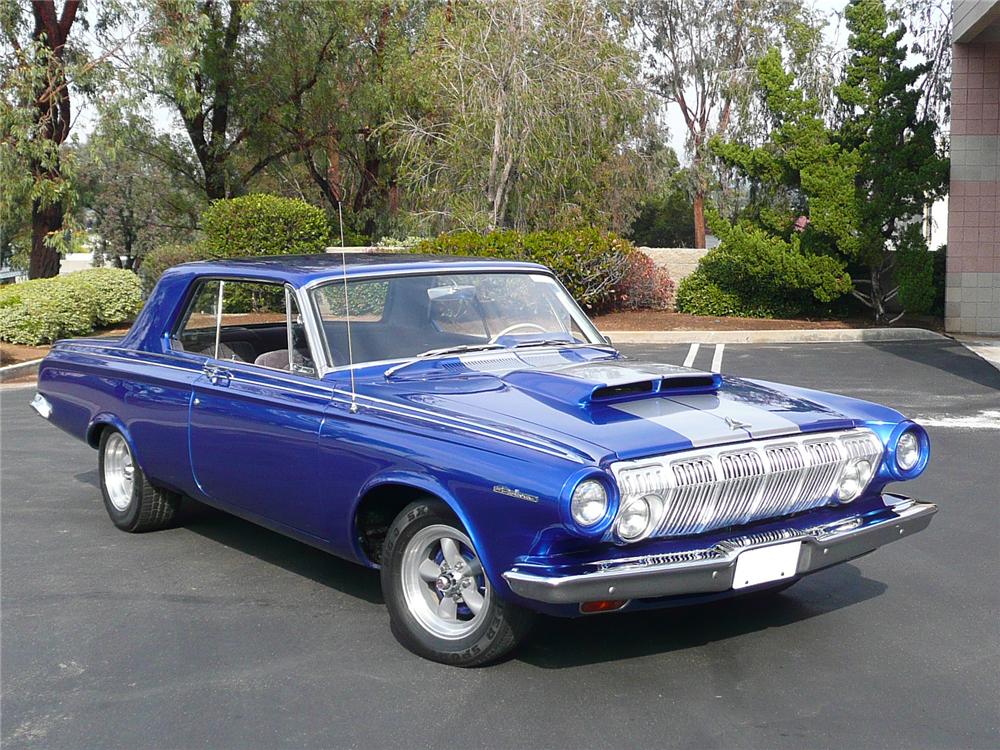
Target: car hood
[[606, 409]]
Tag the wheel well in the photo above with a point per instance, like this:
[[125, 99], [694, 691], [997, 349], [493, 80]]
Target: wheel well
[[376, 512], [95, 432]]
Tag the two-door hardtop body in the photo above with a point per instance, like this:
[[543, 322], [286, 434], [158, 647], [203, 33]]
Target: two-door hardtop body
[[461, 424]]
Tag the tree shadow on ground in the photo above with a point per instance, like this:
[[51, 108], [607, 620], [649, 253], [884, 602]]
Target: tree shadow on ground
[[945, 355]]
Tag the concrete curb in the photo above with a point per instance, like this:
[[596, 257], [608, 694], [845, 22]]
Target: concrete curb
[[804, 336], [19, 370]]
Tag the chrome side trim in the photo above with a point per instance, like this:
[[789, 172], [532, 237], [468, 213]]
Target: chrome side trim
[[325, 389], [710, 569]]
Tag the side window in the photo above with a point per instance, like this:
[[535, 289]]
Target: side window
[[246, 321]]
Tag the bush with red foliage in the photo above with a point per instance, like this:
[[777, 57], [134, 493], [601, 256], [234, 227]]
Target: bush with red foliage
[[645, 285]]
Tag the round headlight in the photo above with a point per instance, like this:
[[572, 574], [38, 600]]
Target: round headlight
[[853, 480], [634, 520], [907, 451], [589, 503]]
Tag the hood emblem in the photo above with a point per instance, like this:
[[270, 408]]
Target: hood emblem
[[735, 424]]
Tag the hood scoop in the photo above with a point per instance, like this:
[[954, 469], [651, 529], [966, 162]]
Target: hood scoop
[[594, 383]]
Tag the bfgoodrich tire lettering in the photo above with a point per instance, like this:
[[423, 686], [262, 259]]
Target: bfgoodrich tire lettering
[[133, 504], [420, 548]]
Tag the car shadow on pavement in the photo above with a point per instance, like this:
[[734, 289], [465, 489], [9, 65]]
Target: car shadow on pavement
[[274, 548], [558, 643]]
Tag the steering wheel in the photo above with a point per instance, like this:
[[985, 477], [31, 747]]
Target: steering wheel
[[515, 327]]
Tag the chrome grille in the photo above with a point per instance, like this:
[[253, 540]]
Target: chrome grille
[[712, 488]]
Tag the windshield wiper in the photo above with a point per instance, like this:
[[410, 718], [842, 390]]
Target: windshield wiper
[[431, 353], [559, 342]]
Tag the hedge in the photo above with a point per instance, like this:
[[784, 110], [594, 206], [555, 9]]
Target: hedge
[[250, 225], [43, 310], [756, 274], [591, 263], [262, 224]]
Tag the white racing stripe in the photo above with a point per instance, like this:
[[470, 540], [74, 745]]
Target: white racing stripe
[[759, 422], [717, 358], [700, 427], [692, 353]]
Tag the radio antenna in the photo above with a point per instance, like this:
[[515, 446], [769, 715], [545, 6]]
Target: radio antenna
[[347, 308]]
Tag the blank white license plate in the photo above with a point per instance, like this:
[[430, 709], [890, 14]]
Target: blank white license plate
[[766, 564]]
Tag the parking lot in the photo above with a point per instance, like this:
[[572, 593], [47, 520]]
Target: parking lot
[[220, 634]]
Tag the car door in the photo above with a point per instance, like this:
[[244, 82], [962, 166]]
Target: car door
[[254, 428]]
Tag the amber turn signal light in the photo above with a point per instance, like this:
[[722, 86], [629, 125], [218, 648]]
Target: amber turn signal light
[[604, 605]]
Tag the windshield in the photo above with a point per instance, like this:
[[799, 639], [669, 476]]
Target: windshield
[[402, 317]]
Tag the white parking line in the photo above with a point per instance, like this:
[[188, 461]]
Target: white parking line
[[692, 353], [717, 358], [988, 419]]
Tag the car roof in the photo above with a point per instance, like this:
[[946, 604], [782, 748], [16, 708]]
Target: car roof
[[299, 270]]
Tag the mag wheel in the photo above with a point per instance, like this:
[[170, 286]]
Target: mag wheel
[[441, 604], [131, 501]]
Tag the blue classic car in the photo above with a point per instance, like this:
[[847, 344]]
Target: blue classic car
[[461, 425]]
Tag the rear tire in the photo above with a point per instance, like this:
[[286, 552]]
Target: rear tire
[[441, 604], [133, 504]]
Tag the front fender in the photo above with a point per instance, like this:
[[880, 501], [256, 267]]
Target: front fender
[[430, 485]]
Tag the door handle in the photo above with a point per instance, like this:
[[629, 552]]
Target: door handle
[[217, 375]]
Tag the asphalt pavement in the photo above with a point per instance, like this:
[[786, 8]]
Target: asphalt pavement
[[219, 634]]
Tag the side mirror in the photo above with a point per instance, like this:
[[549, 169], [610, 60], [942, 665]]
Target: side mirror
[[607, 340]]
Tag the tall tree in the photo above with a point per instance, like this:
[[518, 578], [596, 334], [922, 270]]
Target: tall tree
[[700, 58], [861, 183], [337, 128], [131, 201], [901, 170], [525, 114], [929, 24], [36, 120], [202, 60]]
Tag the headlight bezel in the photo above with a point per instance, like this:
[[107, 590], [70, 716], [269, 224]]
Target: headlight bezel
[[891, 461], [598, 528]]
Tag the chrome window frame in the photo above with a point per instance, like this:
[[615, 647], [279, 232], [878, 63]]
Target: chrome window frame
[[290, 292]]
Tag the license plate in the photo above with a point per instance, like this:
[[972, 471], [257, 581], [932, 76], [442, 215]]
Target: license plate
[[766, 564]]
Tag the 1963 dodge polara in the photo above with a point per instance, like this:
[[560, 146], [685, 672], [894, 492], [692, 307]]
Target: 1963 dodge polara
[[461, 424]]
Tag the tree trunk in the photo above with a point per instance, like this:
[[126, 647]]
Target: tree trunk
[[699, 219], [44, 259], [877, 294], [215, 180]]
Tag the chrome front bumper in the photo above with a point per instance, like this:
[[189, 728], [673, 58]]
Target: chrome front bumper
[[710, 570]]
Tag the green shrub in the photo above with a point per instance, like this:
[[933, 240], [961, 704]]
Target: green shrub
[[43, 310], [756, 274], [117, 292], [697, 295], [588, 261], [915, 272], [159, 260], [262, 224]]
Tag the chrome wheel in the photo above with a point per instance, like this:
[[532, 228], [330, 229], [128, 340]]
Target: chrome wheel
[[119, 472], [443, 582]]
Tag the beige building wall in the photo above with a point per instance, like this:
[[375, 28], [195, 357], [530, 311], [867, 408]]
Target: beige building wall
[[972, 296]]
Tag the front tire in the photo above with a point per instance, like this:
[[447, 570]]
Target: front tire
[[133, 504], [441, 604]]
